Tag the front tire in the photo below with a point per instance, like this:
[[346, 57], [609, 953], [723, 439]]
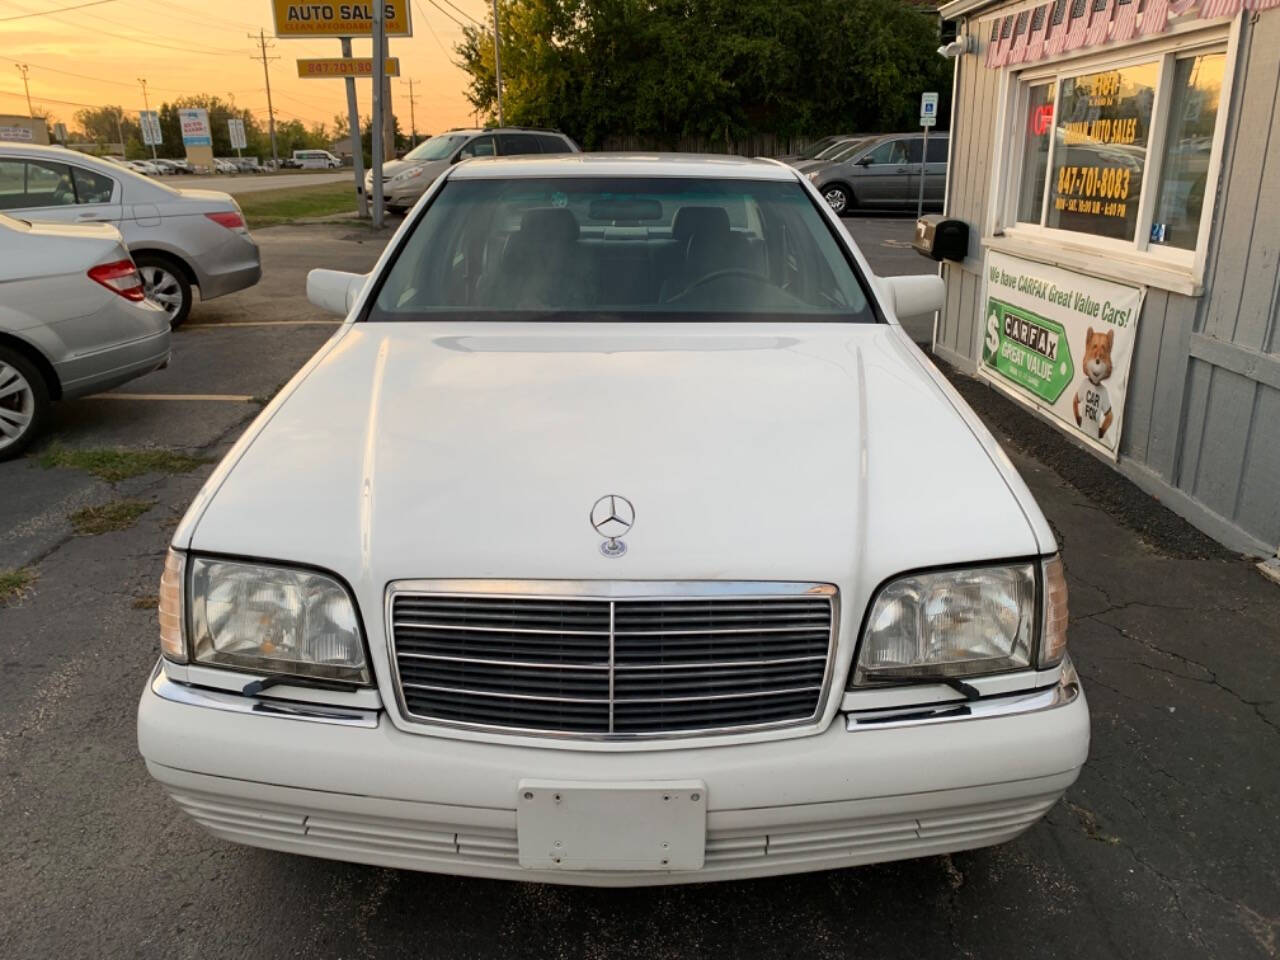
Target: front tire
[[24, 403], [838, 198], [166, 285]]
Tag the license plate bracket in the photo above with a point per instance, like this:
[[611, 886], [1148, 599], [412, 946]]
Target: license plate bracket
[[634, 825]]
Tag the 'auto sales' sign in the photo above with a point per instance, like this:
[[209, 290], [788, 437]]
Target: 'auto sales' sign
[[296, 19], [1061, 342]]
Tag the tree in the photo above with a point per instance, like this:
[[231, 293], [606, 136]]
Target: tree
[[718, 70]]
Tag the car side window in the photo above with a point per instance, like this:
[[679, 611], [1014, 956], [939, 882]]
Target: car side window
[[938, 148], [35, 183], [891, 151], [479, 147], [516, 144], [550, 143], [915, 151], [92, 187]]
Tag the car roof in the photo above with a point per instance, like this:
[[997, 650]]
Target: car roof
[[714, 166]]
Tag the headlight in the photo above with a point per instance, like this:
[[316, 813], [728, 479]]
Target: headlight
[[411, 174], [962, 623], [813, 174], [269, 619]]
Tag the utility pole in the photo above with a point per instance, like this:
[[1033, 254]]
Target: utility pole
[[263, 46], [413, 123], [379, 78], [357, 147], [497, 60], [22, 69], [147, 104]]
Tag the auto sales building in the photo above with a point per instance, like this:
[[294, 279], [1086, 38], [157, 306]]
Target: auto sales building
[[1118, 165]]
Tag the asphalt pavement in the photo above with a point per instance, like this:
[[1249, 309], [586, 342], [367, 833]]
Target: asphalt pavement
[[1167, 847], [253, 182]]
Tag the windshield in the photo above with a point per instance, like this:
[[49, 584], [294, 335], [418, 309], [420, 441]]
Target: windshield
[[811, 152], [846, 150], [437, 148], [631, 248]]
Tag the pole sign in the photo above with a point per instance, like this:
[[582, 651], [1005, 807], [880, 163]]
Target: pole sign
[[149, 121], [60, 131], [195, 128], [235, 130], [311, 69], [294, 19], [929, 110], [1061, 342]]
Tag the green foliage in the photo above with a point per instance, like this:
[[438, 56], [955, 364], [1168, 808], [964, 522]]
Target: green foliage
[[109, 517], [114, 465], [716, 69]]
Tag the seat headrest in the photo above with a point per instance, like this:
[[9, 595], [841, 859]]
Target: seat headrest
[[549, 225], [711, 221]]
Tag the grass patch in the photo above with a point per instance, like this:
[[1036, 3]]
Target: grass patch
[[114, 465], [14, 584], [110, 517], [266, 208]]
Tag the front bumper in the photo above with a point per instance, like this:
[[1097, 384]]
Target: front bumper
[[363, 791]]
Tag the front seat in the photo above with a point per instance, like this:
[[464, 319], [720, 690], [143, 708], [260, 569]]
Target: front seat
[[705, 244], [543, 267]]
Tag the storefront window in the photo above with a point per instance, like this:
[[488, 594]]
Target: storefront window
[[1100, 151], [1193, 115], [1038, 135]]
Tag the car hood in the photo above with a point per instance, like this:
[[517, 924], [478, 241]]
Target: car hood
[[423, 450]]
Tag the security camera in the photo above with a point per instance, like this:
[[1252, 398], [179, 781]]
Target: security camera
[[955, 48]]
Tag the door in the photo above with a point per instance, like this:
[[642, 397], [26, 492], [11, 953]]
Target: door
[[37, 189], [883, 176], [477, 147]]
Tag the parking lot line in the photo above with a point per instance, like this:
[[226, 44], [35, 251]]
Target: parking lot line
[[225, 397]]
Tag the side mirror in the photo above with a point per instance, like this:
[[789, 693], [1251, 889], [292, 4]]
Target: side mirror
[[335, 291], [865, 161], [914, 296]]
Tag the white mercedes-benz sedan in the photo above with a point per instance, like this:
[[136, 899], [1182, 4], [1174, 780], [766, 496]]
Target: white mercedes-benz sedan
[[619, 536]]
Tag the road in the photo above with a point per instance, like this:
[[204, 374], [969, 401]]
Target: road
[[1166, 847]]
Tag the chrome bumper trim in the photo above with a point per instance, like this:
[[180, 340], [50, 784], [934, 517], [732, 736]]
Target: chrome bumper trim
[[1065, 692], [191, 696]]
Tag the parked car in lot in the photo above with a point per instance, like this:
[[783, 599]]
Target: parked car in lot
[[884, 174], [837, 152], [73, 321], [405, 180], [181, 240], [816, 149], [604, 549], [315, 160]]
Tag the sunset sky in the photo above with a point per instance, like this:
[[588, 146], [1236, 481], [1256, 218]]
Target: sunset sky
[[94, 55]]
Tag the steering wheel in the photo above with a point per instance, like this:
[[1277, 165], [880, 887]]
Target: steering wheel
[[715, 275]]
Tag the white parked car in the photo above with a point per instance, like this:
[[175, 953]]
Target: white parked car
[[620, 536], [73, 321], [181, 240]]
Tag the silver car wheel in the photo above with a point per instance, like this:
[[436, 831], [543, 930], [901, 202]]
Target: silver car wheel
[[837, 199], [17, 405], [162, 288]]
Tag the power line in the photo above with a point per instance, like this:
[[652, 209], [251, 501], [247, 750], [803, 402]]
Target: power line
[[445, 12], [463, 12], [45, 13], [435, 36]]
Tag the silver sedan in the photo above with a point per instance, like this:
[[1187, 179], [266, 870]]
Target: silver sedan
[[73, 320], [181, 240]]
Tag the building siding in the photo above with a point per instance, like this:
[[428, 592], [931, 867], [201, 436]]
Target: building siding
[[1202, 418]]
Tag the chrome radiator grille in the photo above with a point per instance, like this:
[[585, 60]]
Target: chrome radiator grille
[[612, 660]]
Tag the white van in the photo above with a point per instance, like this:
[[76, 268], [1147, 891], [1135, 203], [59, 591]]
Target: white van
[[316, 160]]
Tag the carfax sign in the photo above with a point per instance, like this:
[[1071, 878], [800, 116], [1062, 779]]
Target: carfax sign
[[1061, 342]]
